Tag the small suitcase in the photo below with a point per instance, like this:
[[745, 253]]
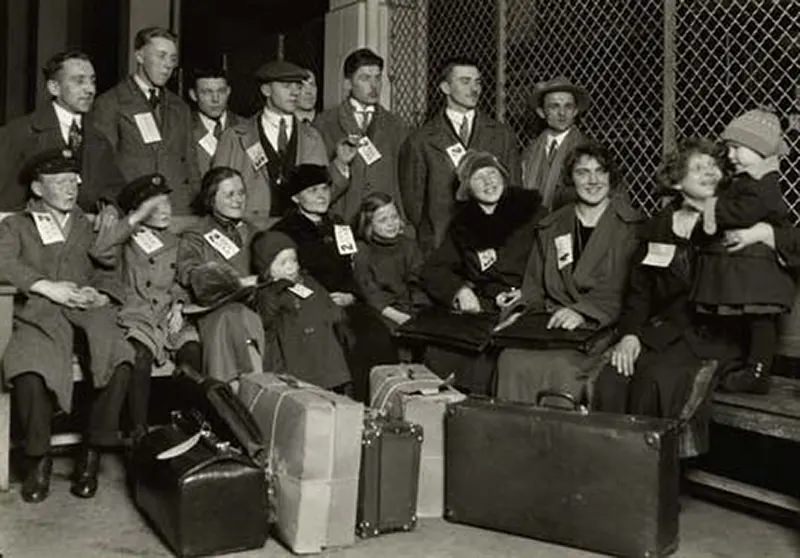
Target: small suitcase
[[387, 489], [599, 481], [200, 495]]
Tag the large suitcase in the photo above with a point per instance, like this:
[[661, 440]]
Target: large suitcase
[[598, 481], [415, 394], [387, 492], [313, 438], [200, 495]]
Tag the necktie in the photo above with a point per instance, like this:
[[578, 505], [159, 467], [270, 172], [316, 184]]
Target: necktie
[[463, 131], [218, 128], [283, 139], [364, 118], [153, 98], [75, 135], [551, 151]]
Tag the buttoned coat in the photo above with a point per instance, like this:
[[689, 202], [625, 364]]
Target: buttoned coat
[[387, 133], [199, 131], [174, 156], [427, 174], [40, 131], [43, 331], [232, 152]]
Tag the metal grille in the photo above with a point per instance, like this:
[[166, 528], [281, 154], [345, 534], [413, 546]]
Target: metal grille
[[657, 70]]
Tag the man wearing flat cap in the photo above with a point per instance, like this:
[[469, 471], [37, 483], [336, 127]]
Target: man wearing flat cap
[[559, 103], [265, 148], [65, 122], [46, 252], [148, 125]]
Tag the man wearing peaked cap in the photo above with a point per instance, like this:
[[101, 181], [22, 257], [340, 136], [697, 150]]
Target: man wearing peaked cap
[[265, 148], [51, 161], [559, 103]]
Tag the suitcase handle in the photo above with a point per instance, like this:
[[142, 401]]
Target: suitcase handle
[[560, 395]]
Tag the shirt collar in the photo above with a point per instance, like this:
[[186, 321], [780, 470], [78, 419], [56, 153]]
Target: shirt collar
[[358, 106], [456, 117], [65, 117], [273, 119], [210, 123], [145, 87], [558, 137]]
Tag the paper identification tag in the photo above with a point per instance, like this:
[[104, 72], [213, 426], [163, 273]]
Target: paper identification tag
[[456, 152], [209, 143], [487, 258], [257, 155], [147, 240], [659, 254], [221, 243], [564, 250], [49, 231], [300, 290], [345, 242], [147, 127], [368, 151]]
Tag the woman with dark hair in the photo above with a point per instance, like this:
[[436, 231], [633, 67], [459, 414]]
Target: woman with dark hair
[[660, 365], [575, 278], [214, 254]]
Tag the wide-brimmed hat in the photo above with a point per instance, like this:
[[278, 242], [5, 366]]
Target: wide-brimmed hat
[[559, 83], [266, 246], [140, 189], [759, 130], [213, 284], [472, 161], [49, 161], [304, 176]]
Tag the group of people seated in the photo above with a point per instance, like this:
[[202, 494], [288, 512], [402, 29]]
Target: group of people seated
[[308, 265]]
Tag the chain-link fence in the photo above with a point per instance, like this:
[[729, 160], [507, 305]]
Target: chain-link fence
[[657, 70]]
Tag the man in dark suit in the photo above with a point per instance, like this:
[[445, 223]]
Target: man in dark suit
[[62, 123], [150, 127], [558, 102], [376, 132], [211, 91], [430, 156]]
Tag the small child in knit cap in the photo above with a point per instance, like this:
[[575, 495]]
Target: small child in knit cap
[[301, 321], [750, 284]]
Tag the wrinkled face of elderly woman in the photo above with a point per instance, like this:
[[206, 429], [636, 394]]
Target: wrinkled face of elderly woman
[[701, 177], [591, 179], [486, 185]]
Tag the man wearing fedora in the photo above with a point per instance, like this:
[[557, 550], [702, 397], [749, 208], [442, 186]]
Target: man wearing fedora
[[558, 102], [265, 148]]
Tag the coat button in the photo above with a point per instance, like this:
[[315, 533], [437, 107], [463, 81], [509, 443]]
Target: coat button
[[308, 330], [151, 260], [148, 283]]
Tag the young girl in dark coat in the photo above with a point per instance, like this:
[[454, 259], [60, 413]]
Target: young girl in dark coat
[[387, 265], [750, 284], [300, 318]]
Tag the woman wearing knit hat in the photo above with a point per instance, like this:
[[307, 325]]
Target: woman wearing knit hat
[[749, 285], [300, 318]]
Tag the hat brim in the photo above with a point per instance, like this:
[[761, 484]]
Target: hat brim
[[242, 292], [580, 94]]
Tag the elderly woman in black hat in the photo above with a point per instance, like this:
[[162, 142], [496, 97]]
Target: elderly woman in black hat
[[222, 238], [325, 247]]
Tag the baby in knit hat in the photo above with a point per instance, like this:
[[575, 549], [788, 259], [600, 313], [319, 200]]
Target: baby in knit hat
[[302, 324], [749, 285]]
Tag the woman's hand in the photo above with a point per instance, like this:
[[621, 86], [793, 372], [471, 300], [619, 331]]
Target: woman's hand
[[736, 239], [249, 281], [565, 318], [175, 318], [466, 301], [625, 353], [508, 298], [342, 299]]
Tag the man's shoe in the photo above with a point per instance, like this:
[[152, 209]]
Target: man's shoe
[[36, 486], [84, 480], [751, 379]]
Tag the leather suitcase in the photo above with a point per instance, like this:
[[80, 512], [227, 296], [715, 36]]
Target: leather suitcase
[[599, 481], [199, 494], [387, 489]]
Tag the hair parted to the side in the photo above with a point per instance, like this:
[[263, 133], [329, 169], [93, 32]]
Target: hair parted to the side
[[143, 36], [452, 62], [675, 165], [369, 205], [56, 62], [359, 58], [600, 154], [208, 72], [204, 202]]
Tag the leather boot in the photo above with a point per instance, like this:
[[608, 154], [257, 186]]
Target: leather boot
[[84, 479], [750, 379], [36, 486]]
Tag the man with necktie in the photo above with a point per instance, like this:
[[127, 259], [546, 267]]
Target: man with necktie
[[149, 126], [559, 103], [429, 157], [210, 91], [376, 133], [64, 122]]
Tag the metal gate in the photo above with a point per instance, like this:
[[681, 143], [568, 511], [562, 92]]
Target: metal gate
[[657, 70]]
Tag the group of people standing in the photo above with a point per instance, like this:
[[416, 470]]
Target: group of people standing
[[316, 236]]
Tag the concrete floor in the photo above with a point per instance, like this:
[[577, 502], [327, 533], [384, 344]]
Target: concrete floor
[[110, 526]]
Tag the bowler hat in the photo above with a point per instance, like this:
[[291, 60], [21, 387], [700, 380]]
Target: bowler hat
[[280, 70], [50, 161], [471, 162], [213, 284], [140, 189], [559, 83], [304, 176]]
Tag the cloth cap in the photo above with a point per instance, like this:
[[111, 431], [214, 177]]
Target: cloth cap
[[560, 83], [759, 130], [471, 162], [51, 161], [280, 70], [140, 189], [266, 246], [213, 284], [304, 176]]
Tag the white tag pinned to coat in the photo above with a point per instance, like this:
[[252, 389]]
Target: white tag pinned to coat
[[487, 258], [369, 153], [456, 152], [221, 243], [659, 254], [209, 144], [298, 289], [564, 255], [257, 155], [147, 127], [147, 240], [49, 231], [345, 241]]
